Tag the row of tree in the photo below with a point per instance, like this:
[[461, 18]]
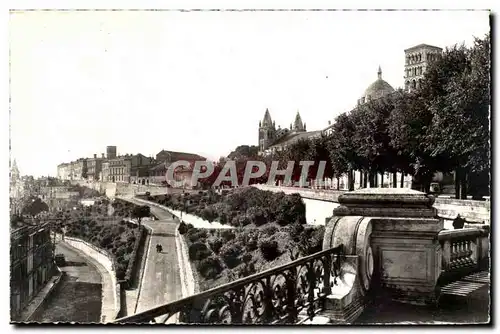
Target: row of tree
[[443, 125]]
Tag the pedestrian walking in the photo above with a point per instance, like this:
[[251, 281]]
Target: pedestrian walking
[[160, 248]]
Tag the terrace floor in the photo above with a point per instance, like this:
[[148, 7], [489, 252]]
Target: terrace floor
[[474, 310]]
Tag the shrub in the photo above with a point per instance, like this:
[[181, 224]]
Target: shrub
[[230, 254], [311, 241], [269, 230], [196, 234], [269, 249], [247, 257], [247, 270], [216, 245], [198, 251], [295, 231], [182, 228], [251, 244], [210, 267], [228, 235]]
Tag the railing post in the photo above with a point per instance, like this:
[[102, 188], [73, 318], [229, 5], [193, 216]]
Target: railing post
[[310, 296], [327, 269], [268, 301], [291, 287]]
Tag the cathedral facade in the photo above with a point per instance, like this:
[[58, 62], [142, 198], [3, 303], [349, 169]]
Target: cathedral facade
[[272, 139]]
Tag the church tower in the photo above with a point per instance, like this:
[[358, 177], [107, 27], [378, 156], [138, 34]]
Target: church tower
[[298, 126], [417, 59], [14, 172], [267, 132]]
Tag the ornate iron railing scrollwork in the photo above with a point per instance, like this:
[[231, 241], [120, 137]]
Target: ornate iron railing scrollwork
[[288, 294]]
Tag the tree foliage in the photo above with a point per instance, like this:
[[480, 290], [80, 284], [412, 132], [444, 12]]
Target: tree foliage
[[35, 206]]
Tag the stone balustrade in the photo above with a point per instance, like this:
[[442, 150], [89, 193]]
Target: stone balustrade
[[464, 249]]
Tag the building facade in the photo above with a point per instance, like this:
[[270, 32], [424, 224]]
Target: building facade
[[119, 169], [417, 59], [31, 264], [110, 152], [64, 171], [164, 159], [94, 167], [272, 139], [16, 189]]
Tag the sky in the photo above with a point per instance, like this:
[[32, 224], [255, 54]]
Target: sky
[[198, 82]]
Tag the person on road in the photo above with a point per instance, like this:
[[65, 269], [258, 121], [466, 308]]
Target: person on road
[[159, 248]]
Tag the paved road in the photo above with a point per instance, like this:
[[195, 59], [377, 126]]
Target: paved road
[[161, 282], [77, 297]]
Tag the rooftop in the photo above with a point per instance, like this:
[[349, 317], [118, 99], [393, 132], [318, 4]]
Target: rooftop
[[420, 46]]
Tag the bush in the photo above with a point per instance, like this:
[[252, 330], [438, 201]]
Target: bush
[[228, 235], [196, 234], [210, 267], [295, 231], [182, 228], [247, 257], [269, 230], [251, 244], [230, 255], [311, 241], [269, 249], [216, 245], [247, 270], [198, 251]]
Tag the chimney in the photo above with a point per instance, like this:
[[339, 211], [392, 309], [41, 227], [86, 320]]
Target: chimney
[[329, 122], [102, 155], [95, 156]]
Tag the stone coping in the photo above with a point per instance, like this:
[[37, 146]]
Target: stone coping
[[40, 297]]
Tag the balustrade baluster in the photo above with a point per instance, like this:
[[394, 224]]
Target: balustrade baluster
[[447, 254]]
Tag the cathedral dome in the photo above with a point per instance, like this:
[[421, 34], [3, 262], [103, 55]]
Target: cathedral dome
[[378, 89]]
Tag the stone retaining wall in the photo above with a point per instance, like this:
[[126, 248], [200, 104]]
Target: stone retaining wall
[[188, 282], [470, 210], [110, 300]]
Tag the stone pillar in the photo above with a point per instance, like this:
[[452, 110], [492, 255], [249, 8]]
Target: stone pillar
[[390, 237]]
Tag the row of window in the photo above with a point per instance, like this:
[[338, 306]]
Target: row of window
[[419, 70], [417, 58]]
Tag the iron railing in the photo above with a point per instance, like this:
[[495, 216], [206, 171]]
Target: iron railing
[[292, 293]]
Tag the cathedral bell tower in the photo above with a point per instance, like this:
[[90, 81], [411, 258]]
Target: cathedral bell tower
[[267, 132]]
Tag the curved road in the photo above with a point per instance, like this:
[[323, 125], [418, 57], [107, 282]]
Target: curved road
[[77, 297], [161, 282]]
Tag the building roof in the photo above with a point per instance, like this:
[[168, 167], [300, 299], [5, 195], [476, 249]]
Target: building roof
[[420, 46], [267, 121], [175, 156], [294, 137], [297, 124], [378, 88]]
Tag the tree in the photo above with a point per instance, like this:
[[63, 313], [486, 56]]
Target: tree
[[140, 212], [342, 147], [245, 151], [35, 206], [457, 91]]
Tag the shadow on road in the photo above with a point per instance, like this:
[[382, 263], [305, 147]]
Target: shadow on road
[[74, 264], [71, 301]]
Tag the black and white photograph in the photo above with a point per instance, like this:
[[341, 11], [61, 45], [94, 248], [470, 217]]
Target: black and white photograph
[[250, 167]]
